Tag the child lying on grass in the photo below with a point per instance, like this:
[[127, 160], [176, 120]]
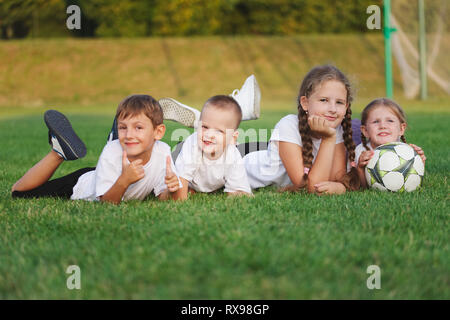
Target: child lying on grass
[[209, 159], [382, 121], [129, 168]]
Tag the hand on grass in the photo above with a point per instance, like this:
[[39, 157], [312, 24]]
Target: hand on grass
[[329, 187], [171, 179]]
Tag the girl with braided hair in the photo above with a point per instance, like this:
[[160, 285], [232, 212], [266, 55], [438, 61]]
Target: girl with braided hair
[[382, 121], [309, 150]]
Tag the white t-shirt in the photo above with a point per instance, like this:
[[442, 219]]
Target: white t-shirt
[[265, 167], [205, 175], [93, 184]]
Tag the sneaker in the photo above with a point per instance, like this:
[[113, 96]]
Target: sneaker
[[249, 98], [114, 134], [61, 136], [176, 111]]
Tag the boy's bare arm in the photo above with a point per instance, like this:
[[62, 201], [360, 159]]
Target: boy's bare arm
[[182, 193], [116, 192], [173, 190], [165, 195]]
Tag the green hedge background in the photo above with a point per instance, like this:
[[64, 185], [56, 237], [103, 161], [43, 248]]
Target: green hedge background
[[142, 18]]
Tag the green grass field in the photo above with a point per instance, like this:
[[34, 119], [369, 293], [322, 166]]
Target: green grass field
[[272, 246]]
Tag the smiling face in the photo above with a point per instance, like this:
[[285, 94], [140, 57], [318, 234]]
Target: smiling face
[[328, 100], [382, 126], [137, 136], [217, 131]]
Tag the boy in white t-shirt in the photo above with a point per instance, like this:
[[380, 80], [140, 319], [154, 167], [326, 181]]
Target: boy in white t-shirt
[[209, 159], [129, 168]]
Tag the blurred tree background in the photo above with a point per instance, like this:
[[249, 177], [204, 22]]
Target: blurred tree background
[[142, 18]]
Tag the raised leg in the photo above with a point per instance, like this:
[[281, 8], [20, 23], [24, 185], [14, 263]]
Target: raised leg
[[40, 173]]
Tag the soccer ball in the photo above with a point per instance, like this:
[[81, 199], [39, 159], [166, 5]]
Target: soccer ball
[[396, 167]]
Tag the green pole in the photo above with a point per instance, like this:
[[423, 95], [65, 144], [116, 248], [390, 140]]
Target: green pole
[[387, 48], [422, 49]]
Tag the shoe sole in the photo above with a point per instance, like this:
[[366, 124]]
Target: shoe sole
[[257, 98], [61, 128], [172, 110]]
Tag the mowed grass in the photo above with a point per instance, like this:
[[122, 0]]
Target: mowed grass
[[272, 246]]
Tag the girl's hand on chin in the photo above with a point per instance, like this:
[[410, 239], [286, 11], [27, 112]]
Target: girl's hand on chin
[[321, 126]]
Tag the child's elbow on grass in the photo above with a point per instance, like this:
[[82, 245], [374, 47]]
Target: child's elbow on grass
[[107, 200], [298, 183], [180, 195]]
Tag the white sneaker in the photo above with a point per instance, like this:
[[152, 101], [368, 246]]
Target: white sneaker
[[249, 98], [176, 111]]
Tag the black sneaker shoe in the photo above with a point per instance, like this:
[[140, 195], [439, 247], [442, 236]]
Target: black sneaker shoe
[[114, 134], [61, 136]]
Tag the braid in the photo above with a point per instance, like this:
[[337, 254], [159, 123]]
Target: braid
[[351, 179], [305, 133], [364, 141], [348, 140], [403, 138]]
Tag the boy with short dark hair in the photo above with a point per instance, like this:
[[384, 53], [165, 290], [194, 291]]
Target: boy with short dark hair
[[129, 168]]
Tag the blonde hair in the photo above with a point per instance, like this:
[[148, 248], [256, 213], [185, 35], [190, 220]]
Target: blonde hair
[[382, 102]]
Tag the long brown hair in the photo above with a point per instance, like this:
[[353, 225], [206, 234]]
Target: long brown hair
[[315, 77], [382, 102]]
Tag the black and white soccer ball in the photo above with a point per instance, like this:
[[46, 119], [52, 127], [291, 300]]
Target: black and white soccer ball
[[396, 167]]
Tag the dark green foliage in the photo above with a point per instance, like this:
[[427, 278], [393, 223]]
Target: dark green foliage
[[138, 18]]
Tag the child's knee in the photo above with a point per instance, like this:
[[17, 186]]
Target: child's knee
[[17, 193]]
